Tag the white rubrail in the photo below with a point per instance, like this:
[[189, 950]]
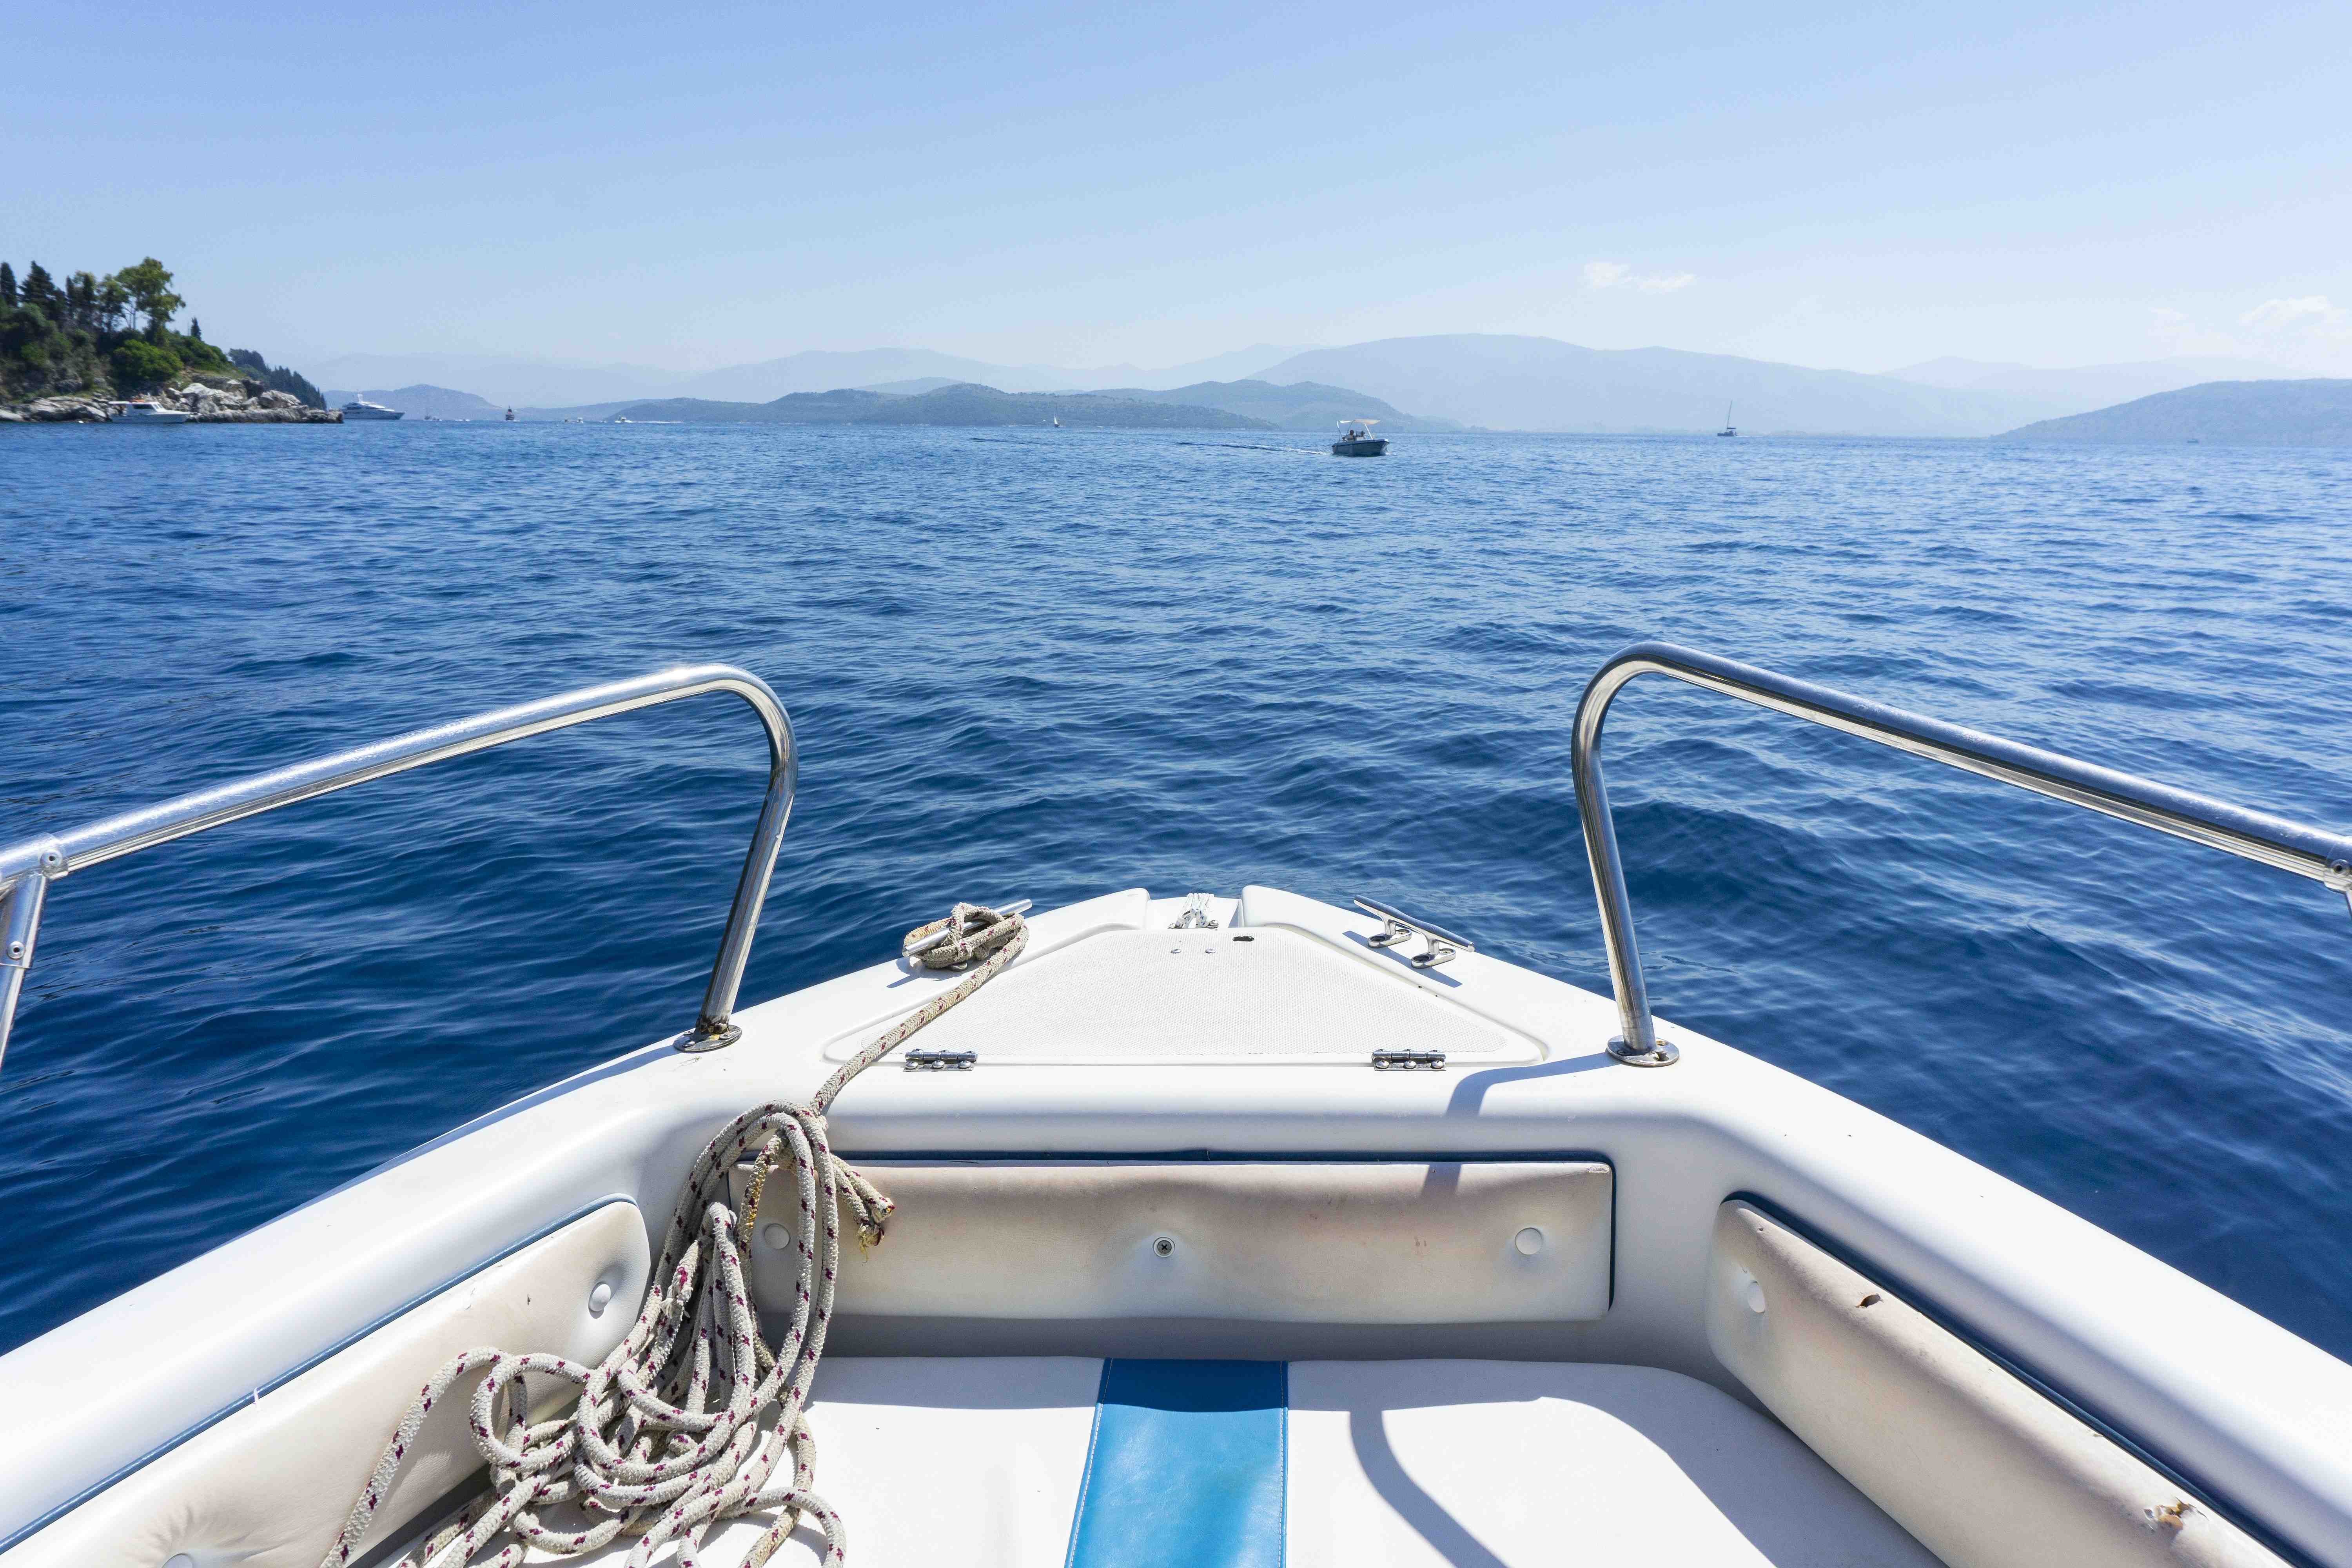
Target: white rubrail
[[1538, 1302]]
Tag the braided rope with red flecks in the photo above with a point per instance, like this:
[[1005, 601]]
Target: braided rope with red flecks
[[688, 1421]]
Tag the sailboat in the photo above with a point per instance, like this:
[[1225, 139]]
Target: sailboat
[[1728, 428]]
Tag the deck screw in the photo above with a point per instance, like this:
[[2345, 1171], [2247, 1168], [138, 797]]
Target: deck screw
[[1165, 1245]]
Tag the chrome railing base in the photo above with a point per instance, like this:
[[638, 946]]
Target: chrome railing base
[[1661, 1054], [697, 1040]]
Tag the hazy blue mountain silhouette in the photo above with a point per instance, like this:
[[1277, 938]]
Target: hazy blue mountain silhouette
[[2312, 413], [1541, 384]]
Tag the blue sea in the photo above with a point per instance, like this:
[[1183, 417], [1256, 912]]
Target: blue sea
[[1052, 664]]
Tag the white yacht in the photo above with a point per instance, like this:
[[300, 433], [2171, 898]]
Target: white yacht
[[361, 408], [146, 411], [1227, 1230]]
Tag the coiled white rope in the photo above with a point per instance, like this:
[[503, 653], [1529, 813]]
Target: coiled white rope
[[690, 1421]]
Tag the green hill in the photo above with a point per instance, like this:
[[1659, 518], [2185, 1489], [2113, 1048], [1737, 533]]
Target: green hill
[[424, 401], [100, 338], [1301, 406], [961, 403], [2217, 413], [970, 403], [793, 409]]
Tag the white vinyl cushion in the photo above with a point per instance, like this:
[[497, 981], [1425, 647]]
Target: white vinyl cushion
[[1480, 1463], [979, 1462], [270, 1486], [1293, 1241], [1437, 1464], [1932, 1428]]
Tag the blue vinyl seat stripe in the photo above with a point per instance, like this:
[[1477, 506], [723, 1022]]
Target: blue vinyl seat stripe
[[1187, 1466]]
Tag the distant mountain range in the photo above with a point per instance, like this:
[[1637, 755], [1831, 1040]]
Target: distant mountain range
[[422, 401], [509, 382], [959, 402], [1448, 381], [2312, 413], [1301, 406], [2085, 386], [1205, 405], [973, 405], [844, 405], [1540, 383], [522, 383], [919, 371]]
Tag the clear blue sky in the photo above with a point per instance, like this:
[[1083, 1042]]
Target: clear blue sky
[[1860, 186]]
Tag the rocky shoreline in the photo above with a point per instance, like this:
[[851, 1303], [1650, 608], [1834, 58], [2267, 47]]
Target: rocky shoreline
[[210, 399]]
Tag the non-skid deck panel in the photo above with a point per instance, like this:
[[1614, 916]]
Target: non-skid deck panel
[[1414, 1464], [1270, 993], [1186, 1466]]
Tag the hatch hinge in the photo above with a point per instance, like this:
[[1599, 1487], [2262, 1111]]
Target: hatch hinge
[[1408, 1062], [942, 1061]]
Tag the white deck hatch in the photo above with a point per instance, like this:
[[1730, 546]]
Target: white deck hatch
[[1267, 994]]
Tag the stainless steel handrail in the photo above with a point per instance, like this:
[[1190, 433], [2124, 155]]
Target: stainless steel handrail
[[2274, 841], [27, 869]]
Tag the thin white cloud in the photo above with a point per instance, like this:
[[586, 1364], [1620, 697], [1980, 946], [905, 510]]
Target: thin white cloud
[[1620, 274], [2310, 332], [2312, 315]]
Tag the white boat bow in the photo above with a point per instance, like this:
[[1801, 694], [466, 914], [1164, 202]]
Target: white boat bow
[[1232, 1230]]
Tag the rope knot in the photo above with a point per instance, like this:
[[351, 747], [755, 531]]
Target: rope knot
[[969, 933]]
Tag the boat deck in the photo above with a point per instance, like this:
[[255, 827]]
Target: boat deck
[[1009, 1462]]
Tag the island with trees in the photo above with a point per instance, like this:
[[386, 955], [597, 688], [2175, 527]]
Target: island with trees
[[70, 350]]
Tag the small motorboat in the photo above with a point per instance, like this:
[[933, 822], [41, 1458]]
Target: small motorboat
[[146, 411], [1357, 441], [1227, 1230]]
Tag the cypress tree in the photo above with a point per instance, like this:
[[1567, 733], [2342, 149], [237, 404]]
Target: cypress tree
[[7, 286]]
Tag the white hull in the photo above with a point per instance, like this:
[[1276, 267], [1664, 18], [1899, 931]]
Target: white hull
[[1590, 1393]]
